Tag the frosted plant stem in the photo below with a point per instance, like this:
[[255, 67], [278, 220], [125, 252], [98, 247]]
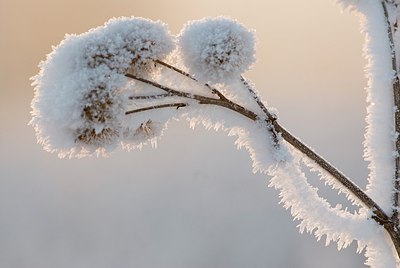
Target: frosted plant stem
[[221, 101], [396, 99], [221, 96], [378, 216], [316, 158], [257, 98], [271, 117]]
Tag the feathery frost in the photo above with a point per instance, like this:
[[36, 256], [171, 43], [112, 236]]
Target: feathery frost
[[315, 213], [217, 49], [255, 138], [380, 136], [379, 145]]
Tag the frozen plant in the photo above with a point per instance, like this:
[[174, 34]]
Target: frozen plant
[[118, 85]]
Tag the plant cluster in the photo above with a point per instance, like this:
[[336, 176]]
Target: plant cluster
[[120, 84]]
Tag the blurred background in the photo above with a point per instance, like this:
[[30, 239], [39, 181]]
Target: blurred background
[[192, 202]]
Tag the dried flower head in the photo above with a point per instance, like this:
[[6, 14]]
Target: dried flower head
[[216, 50]]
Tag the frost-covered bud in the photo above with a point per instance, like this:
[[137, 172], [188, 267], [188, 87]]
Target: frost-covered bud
[[143, 39], [217, 50], [79, 114], [81, 92], [129, 43]]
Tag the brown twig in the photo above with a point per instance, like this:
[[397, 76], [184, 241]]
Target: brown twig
[[213, 90], [201, 99], [151, 97], [177, 105], [176, 69]]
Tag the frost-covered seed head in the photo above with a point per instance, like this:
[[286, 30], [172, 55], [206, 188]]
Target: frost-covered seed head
[[130, 44], [81, 90], [217, 50], [144, 40]]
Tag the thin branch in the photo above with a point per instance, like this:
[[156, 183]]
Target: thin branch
[[226, 103], [169, 90], [176, 69], [269, 117], [257, 99], [346, 182], [213, 90], [177, 105], [339, 176], [396, 99], [152, 97], [379, 214]]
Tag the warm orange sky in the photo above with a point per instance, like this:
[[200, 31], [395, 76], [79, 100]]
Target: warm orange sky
[[309, 67]]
